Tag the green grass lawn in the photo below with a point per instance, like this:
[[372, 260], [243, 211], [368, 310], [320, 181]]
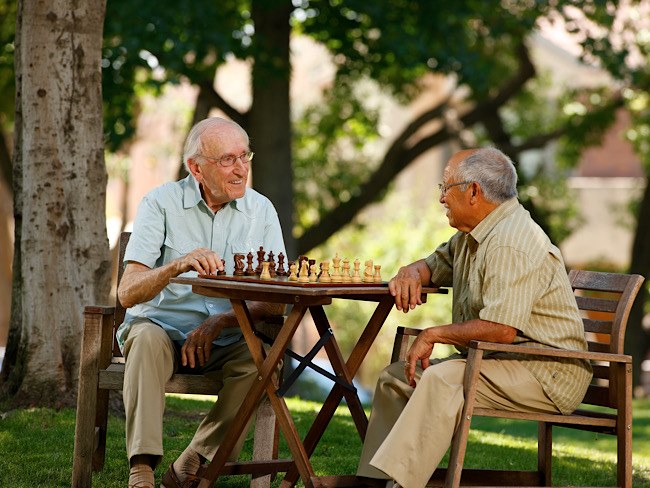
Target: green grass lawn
[[36, 446]]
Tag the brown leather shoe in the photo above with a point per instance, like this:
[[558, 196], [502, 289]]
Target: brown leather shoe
[[170, 479]]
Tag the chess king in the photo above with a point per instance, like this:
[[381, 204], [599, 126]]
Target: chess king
[[186, 228]]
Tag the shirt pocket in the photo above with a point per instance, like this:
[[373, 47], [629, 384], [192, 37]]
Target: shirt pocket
[[176, 246]]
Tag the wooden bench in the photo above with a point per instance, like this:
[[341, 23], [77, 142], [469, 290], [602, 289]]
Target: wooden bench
[[605, 300], [102, 369]]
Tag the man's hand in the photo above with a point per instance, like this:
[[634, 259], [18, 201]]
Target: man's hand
[[198, 344], [203, 260], [406, 286], [420, 350]]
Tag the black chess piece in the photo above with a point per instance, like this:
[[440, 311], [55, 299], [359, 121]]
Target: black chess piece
[[281, 271], [250, 271], [239, 265], [260, 260], [223, 271], [271, 264]]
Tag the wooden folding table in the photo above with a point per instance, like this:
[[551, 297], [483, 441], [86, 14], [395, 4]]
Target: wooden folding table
[[301, 298]]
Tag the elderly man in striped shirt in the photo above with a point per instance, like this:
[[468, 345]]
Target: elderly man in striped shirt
[[510, 285]]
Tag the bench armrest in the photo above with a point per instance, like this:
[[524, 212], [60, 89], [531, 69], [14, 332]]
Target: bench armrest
[[556, 353]]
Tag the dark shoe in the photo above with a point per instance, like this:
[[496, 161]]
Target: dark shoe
[[170, 479]]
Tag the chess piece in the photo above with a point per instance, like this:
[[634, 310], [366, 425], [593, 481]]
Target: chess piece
[[281, 271], [223, 271], [271, 264], [293, 275], [303, 276], [356, 276], [377, 273], [239, 265], [313, 277], [250, 271], [260, 260], [265, 274], [367, 272], [302, 258], [336, 274], [325, 273], [346, 278]]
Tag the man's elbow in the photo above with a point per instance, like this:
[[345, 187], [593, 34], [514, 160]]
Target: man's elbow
[[125, 297]]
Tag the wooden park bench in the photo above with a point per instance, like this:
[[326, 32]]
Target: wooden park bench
[[605, 300], [102, 370]]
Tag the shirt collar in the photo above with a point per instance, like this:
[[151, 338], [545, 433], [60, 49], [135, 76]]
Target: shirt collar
[[192, 196], [485, 226]]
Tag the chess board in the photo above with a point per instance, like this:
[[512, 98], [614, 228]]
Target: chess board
[[283, 280]]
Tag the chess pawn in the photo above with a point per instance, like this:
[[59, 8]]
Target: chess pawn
[[303, 276], [271, 264], [367, 272], [336, 273], [377, 273], [223, 271], [346, 278], [293, 276], [281, 271], [313, 276], [265, 274], [356, 276], [325, 274]]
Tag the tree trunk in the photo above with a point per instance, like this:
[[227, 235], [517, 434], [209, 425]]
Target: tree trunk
[[270, 116], [637, 339], [62, 256]]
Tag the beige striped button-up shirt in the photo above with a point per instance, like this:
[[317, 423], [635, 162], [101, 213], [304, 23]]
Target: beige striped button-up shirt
[[506, 270]]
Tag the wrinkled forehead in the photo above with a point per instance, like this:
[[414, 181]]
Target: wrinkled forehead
[[224, 139]]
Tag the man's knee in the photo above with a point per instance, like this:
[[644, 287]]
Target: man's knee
[[451, 372], [145, 336]]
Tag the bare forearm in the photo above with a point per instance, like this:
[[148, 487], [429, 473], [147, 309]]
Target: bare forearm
[[461, 334], [140, 283]]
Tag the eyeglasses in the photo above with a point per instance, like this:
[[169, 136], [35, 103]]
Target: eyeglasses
[[227, 161], [444, 187]]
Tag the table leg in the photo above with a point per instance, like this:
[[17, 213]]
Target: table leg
[[336, 394], [267, 381]]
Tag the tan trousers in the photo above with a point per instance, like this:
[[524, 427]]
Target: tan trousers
[[411, 429], [150, 362]]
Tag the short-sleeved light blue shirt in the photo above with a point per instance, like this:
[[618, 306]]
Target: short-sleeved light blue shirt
[[173, 220]]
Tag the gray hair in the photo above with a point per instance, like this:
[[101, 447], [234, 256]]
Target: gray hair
[[493, 170], [194, 145]]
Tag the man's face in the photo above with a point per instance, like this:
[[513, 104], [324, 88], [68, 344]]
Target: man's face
[[456, 199], [221, 184]]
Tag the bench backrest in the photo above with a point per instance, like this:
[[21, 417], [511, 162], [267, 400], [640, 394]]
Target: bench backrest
[[605, 301], [119, 309]]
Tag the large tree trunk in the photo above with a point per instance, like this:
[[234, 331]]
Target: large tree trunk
[[270, 115], [637, 339], [62, 256]]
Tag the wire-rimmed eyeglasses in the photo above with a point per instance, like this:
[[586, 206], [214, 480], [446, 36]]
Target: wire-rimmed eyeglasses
[[229, 160]]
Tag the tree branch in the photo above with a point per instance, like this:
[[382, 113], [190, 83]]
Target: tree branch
[[401, 154], [215, 100]]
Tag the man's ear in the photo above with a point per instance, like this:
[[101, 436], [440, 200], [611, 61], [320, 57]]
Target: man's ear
[[475, 191], [194, 168]]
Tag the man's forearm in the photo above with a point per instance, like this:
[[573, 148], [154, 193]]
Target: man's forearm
[[140, 283], [461, 334]]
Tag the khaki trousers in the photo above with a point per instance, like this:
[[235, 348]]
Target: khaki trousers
[[410, 429], [151, 359]]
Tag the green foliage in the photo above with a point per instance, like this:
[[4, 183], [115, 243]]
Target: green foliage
[[391, 239], [149, 44], [7, 81], [333, 140]]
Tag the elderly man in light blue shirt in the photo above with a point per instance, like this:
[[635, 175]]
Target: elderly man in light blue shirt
[[181, 229]]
